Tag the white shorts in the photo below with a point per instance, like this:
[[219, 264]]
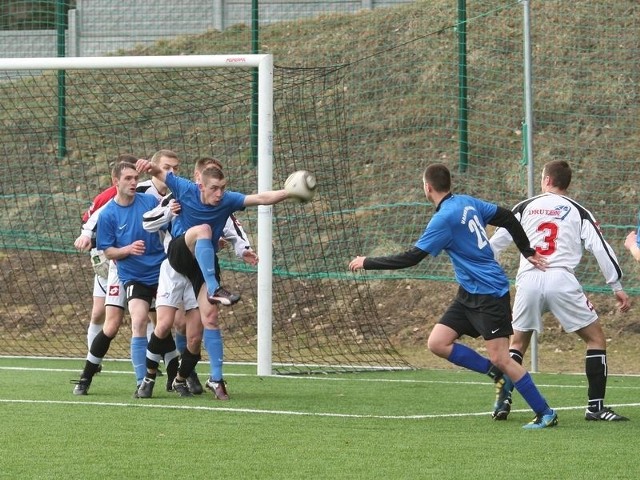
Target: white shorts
[[174, 289], [99, 286], [555, 290], [116, 295]]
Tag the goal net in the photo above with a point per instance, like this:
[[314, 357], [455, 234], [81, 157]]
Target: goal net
[[65, 120]]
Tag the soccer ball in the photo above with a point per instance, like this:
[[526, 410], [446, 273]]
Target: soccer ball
[[301, 185]]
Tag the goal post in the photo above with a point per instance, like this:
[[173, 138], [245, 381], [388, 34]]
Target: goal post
[[301, 311], [264, 65]]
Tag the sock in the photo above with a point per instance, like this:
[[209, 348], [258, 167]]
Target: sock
[[213, 346], [139, 357], [188, 362], [518, 357], [92, 331], [205, 256], [596, 370], [171, 357], [495, 373], [154, 352], [181, 342], [89, 370], [172, 367], [466, 357], [150, 328], [532, 395], [99, 348]]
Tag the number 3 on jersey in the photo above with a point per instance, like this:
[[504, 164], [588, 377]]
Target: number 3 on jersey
[[476, 227], [550, 232]]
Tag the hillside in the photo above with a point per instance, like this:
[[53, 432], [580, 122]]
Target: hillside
[[398, 91]]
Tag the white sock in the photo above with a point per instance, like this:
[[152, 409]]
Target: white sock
[[92, 331], [150, 328]]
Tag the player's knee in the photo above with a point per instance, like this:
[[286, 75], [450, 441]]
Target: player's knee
[[437, 347], [202, 231], [194, 344]]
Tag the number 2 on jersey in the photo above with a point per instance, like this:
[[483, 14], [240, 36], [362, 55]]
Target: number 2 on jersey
[[550, 232], [476, 227]]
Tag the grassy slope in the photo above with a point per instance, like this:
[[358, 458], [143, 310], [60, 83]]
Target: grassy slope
[[389, 130], [566, 35]]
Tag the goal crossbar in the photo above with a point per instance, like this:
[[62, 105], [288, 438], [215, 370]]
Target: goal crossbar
[[136, 61]]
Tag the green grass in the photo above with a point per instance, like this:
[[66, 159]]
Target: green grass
[[415, 424]]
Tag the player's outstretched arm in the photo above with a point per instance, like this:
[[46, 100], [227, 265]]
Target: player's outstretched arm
[[357, 264], [145, 166], [407, 259], [270, 197]]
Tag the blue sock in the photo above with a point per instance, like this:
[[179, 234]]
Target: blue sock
[[205, 256], [181, 342], [532, 395], [466, 357], [213, 345], [139, 357]]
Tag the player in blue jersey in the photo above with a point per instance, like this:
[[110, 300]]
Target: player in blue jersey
[[482, 305], [175, 293], [103, 300], [138, 254], [204, 210]]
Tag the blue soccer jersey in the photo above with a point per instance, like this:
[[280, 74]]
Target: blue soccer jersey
[[119, 226], [458, 228], [194, 212]]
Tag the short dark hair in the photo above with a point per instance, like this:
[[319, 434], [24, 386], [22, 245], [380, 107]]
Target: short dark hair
[[438, 176], [120, 167], [123, 157], [126, 157], [559, 172]]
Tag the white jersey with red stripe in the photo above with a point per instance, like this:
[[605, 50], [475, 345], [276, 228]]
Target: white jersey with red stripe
[[558, 227]]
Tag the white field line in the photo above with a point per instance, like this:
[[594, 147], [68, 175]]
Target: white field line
[[277, 412], [345, 377]]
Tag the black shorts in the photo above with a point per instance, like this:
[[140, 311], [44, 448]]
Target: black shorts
[[138, 290], [475, 315], [183, 261]]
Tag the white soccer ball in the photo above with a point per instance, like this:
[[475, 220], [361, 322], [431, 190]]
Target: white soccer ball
[[301, 186]]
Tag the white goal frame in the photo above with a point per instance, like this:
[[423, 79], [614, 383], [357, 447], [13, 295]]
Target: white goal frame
[[264, 64]]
